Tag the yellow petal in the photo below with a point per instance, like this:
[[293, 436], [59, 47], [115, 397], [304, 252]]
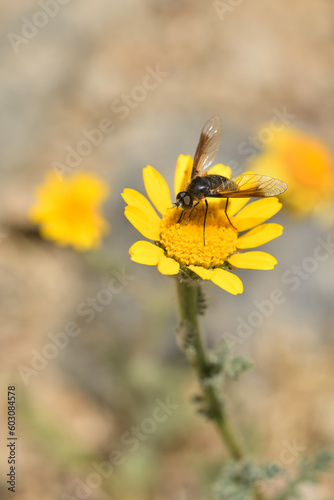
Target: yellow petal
[[167, 265], [183, 170], [146, 253], [253, 260], [157, 189], [205, 274], [135, 199], [220, 169], [227, 281], [244, 182], [256, 213], [144, 224], [260, 235], [236, 204]]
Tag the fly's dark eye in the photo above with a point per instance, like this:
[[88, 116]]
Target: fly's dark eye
[[186, 200]]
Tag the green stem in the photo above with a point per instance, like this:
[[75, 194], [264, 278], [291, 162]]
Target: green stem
[[188, 296]]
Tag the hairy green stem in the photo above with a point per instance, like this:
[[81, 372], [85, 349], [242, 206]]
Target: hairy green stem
[[188, 298]]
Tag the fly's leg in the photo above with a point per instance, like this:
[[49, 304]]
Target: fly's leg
[[183, 212], [181, 217], [227, 215], [191, 211], [206, 211]]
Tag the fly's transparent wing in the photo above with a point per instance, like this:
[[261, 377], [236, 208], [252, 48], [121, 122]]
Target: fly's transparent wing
[[208, 145], [250, 186]]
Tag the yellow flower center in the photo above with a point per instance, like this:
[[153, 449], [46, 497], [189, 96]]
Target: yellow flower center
[[184, 243]]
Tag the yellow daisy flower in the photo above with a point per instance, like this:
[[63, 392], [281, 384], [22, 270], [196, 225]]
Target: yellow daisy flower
[[68, 211], [305, 164], [179, 248]]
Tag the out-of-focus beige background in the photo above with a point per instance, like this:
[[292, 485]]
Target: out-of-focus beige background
[[67, 66]]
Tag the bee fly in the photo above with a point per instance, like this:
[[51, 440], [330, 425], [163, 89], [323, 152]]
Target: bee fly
[[202, 185]]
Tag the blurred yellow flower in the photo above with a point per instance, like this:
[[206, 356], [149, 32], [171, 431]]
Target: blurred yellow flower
[[179, 247], [305, 164], [68, 211]]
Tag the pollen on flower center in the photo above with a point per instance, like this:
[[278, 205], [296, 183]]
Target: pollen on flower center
[[184, 241]]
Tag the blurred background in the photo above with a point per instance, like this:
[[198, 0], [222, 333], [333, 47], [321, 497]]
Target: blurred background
[[68, 67]]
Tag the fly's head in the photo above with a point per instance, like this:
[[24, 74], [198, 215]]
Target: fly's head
[[184, 200]]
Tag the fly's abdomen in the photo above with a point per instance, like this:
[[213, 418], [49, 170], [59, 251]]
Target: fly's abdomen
[[215, 181], [202, 186]]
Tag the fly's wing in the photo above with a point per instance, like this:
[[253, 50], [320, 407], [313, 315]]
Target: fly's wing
[[208, 145], [249, 186]]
